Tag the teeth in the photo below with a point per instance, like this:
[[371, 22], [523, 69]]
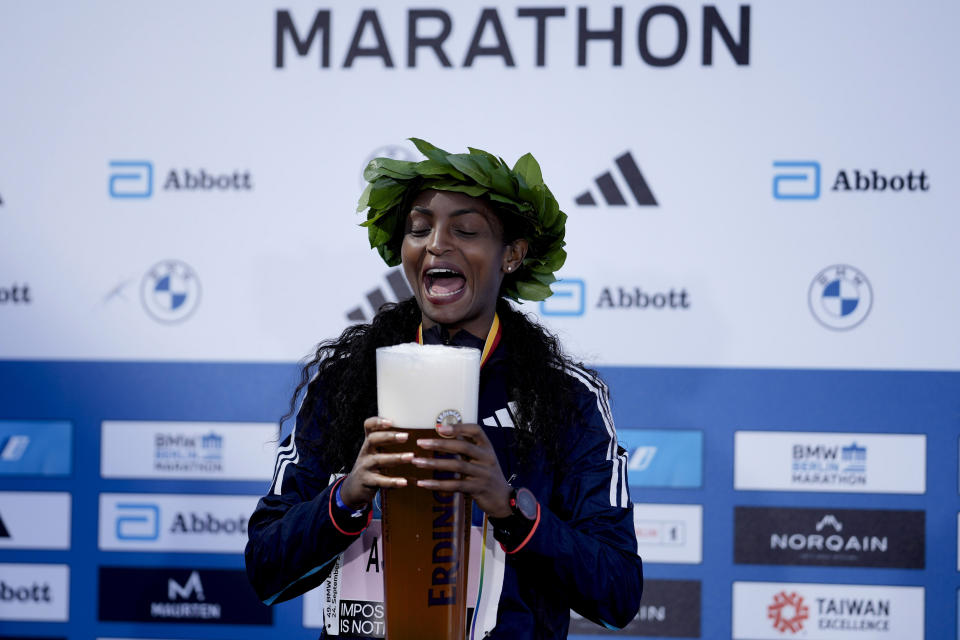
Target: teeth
[[440, 273]]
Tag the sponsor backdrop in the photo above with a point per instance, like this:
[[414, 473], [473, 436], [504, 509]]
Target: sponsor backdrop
[[763, 265]]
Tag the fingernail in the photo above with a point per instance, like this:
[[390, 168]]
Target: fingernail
[[386, 422], [419, 461], [425, 444], [401, 482], [407, 456], [402, 437], [426, 484], [445, 429]]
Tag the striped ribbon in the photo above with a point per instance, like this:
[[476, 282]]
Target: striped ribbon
[[489, 345]]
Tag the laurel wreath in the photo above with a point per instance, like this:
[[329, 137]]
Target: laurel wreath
[[519, 191]]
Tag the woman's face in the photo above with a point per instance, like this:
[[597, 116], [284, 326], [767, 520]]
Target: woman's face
[[454, 257]]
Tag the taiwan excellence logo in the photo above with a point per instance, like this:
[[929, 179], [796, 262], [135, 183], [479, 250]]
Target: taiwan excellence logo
[[788, 612], [840, 297], [170, 291]]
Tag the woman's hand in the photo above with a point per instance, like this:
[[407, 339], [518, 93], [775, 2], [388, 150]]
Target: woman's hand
[[365, 479], [480, 475]]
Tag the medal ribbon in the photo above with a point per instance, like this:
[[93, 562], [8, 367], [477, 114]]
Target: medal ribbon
[[489, 345]]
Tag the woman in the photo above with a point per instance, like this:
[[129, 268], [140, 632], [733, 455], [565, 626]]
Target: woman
[[544, 466]]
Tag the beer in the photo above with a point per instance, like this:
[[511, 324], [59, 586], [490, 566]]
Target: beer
[[425, 546], [425, 533]]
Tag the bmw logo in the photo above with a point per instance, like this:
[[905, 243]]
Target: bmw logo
[[170, 291], [392, 151], [840, 297]]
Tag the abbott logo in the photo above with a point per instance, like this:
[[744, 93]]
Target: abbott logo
[[131, 179], [568, 299], [612, 194], [796, 180], [138, 521], [192, 587]]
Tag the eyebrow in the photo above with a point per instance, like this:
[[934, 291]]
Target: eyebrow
[[459, 212]]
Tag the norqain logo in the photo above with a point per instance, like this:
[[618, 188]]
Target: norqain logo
[[598, 37], [829, 537]]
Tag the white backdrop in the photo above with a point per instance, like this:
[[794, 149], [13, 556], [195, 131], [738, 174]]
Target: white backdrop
[[757, 301], [195, 86]]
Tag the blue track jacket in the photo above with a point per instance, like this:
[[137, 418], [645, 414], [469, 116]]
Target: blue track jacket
[[581, 555]]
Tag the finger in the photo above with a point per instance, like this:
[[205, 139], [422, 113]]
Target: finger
[[450, 486], [376, 423], [387, 437], [469, 430], [381, 460], [371, 479], [447, 464], [462, 447]]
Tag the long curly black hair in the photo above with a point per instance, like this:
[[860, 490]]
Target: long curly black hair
[[341, 386]]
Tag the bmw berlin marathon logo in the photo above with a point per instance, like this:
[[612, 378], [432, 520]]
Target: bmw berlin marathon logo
[[840, 297], [170, 291]]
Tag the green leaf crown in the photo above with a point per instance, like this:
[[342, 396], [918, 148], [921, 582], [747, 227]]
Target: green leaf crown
[[518, 195]]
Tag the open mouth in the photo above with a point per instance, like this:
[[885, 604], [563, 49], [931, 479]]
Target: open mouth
[[442, 282]]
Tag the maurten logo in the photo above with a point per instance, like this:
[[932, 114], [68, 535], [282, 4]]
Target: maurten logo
[[170, 291], [788, 612], [376, 298], [840, 297], [192, 587], [612, 194]]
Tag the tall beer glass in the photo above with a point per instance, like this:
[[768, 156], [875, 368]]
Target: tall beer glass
[[425, 533]]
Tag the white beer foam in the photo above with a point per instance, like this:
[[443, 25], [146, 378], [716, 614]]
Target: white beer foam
[[416, 383]]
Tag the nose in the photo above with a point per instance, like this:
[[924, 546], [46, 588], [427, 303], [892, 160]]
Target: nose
[[439, 240]]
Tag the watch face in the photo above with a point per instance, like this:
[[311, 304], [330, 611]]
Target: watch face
[[526, 504]]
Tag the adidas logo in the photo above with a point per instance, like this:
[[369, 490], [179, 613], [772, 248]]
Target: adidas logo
[[611, 193], [377, 298]]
